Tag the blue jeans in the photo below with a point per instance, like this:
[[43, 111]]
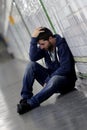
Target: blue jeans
[[56, 84]]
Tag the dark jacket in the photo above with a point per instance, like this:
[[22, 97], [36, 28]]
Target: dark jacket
[[64, 65]]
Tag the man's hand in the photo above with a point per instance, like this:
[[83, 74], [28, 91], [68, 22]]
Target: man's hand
[[37, 31], [44, 85]]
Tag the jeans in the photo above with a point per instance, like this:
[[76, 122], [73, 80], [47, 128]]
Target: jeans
[[56, 84]]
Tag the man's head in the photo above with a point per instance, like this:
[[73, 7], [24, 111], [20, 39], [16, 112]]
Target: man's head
[[46, 39]]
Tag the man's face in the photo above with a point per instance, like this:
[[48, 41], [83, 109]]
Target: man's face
[[45, 44]]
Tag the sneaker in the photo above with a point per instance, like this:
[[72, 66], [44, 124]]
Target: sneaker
[[23, 108], [23, 101]]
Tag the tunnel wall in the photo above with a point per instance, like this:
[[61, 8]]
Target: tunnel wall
[[66, 17]]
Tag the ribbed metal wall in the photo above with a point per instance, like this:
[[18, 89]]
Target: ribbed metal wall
[[66, 17]]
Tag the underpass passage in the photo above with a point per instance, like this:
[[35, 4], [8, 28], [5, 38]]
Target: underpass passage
[[18, 19]]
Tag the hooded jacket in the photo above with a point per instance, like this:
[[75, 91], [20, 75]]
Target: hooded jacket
[[64, 64]]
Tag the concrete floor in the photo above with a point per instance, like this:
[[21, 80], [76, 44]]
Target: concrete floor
[[68, 112]]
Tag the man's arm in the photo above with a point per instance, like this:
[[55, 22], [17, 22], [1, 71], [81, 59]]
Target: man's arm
[[35, 52]]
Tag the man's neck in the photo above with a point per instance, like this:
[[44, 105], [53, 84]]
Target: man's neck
[[52, 49]]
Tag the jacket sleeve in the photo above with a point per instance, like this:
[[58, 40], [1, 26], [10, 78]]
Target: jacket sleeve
[[66, 61], [35, 53]]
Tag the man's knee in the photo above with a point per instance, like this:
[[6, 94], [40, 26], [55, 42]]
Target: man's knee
[[29, 68], [31, 65], [56, 83], [61, 84], [57, 79]]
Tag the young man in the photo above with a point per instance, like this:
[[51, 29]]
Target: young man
[[58, 76]]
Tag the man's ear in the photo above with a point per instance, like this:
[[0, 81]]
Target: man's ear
[[50, 38]]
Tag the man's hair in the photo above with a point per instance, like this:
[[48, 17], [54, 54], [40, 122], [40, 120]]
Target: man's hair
[[44, 35]]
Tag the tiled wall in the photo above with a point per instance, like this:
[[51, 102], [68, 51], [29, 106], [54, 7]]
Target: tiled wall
[[66, 17], [71, 17]]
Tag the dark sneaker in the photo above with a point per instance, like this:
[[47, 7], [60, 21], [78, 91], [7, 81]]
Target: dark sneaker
[[23, 108], [23, 101]]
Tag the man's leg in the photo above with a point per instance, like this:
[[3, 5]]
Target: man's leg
[[55, 84], [33, 71]]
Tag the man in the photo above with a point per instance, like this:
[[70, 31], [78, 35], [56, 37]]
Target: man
[[58, 76]]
